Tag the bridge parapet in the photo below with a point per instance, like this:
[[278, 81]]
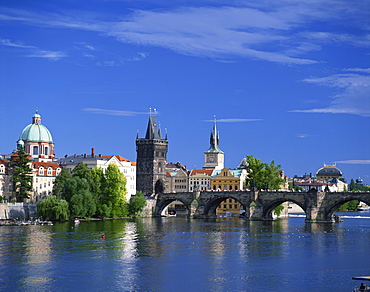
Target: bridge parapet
[[318, 206]]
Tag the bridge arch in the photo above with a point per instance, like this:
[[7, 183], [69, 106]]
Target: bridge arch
[[270, 207], [334, 208], [212, 204], [161, 205]]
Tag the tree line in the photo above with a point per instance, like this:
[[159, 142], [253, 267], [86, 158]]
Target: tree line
[[87, 193]]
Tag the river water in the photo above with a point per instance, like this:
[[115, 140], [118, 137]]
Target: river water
[[180, 254]]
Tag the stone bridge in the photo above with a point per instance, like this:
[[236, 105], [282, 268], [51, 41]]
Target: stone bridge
[[259, 205]]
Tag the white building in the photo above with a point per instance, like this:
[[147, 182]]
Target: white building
[[200, 180]]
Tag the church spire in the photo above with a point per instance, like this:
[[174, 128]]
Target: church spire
[[214, 157], [214, 140]]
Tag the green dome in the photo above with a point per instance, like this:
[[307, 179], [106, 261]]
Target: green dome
[[36, 132]]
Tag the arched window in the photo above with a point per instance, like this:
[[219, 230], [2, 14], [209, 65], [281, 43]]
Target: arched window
[[35, 150], [41, 171], [2, 168], [50, 171]]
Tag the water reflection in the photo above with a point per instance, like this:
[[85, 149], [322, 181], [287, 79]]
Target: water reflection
[[161, 254]]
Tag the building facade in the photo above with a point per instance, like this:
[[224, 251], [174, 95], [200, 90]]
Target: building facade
[[177, 178], [200, 180], [228, 180], [151, 159]]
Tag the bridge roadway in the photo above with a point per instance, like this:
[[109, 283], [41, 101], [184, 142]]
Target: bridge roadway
[[259, 205]]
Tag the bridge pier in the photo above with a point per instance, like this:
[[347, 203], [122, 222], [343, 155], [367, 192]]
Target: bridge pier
[[317, 214], [255, 211]]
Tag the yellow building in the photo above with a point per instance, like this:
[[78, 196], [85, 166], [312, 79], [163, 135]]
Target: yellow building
[[228, 180]]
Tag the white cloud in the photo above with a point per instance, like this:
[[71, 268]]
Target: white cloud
[[53, 56], [262, 30], [114, 112], [364, 161], [353, 92], [36, 52], [9, 43]]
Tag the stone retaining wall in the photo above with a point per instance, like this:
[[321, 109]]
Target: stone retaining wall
[[18, 211]]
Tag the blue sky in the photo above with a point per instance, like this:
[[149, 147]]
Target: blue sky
[[287, 80]]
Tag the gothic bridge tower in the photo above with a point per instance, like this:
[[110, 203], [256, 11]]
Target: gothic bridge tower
[[151, 160]]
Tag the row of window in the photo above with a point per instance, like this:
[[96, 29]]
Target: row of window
[[202, 183], [36, 150]]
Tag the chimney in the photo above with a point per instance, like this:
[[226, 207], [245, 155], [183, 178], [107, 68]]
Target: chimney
[[92, 152]]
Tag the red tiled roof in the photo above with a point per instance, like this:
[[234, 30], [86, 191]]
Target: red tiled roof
[[37, 164], [205, 171], [313, 184], [119, 157]]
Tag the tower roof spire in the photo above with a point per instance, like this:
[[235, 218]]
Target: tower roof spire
[[214, 139], [153, 130]]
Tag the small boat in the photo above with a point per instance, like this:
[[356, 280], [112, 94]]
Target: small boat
[[363, 207], [77, 221], [362, 287]]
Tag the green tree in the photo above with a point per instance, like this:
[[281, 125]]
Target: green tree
[[97, 176], [82, 204], [59, 183], [352, 185], [262, 174], [22, 175], [279, 209], [114, 191], [52, 208], [272, 176], [75, 189], [349, 206], [136, 204], [82, 171]]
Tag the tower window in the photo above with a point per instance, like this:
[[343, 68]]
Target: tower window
[[35, 150], [46, 150]]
